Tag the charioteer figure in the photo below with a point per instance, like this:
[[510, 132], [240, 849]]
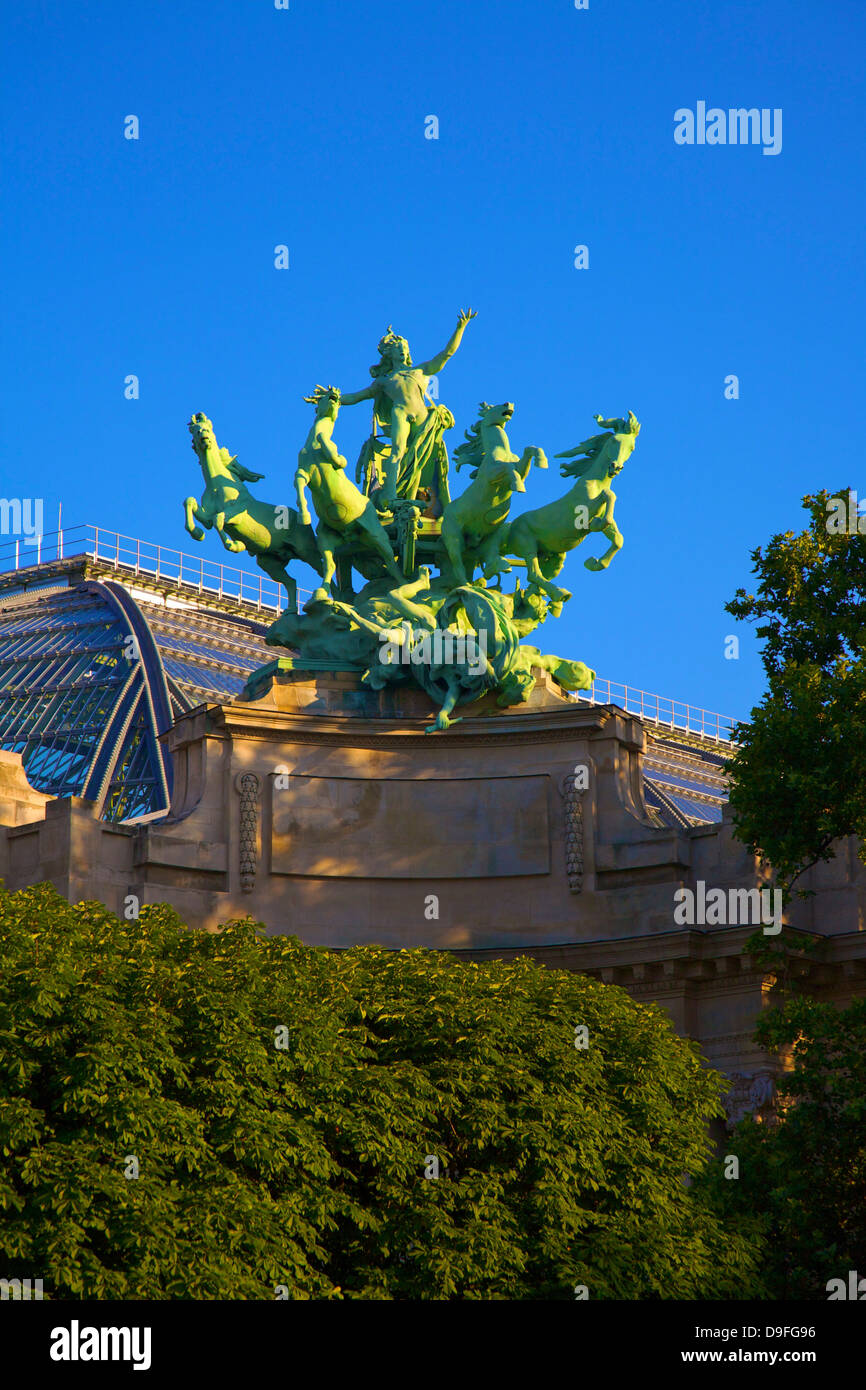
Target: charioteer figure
[[405, 412]]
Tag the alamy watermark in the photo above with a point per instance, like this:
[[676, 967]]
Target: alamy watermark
[[844, 517], [732, 907], [736, 126], [20, 1290], [855, 1290], [21, 516], [404, 646], [77, 1343]]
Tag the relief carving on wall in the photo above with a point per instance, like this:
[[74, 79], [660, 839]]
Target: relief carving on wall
[[751, 1093], [247, 784], [572, 789]]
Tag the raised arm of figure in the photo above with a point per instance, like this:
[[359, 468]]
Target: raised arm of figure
[[436, 363], [353, 397]]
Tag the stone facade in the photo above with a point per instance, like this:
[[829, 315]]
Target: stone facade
[[325, 811]]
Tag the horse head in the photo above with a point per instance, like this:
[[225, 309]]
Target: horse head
[[215, 462], [490, 415], [205, 446], [326, 399], [201, 429], [479, 448]]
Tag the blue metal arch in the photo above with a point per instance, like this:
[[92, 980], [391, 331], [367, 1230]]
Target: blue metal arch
[[147, 682]]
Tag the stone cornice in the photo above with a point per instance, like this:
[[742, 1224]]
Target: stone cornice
[[688, 956], [262, 722]]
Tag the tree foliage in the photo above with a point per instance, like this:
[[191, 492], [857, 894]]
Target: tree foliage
[[799, 774], [802, 1182], [304, 1165]]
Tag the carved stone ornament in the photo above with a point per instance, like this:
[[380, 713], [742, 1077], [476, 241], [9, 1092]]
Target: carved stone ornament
[[248, 784], [572, 797], [750, 1094]]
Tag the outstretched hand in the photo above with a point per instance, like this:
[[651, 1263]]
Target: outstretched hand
[[464, 315]]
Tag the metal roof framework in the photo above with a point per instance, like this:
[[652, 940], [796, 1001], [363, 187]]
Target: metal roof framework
[[92, 671]]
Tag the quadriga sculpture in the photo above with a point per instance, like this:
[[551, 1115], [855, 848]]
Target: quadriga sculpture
[[458, 637]]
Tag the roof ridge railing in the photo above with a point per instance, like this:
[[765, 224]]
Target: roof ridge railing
[[662, 710], [191, 573], [196, 574]]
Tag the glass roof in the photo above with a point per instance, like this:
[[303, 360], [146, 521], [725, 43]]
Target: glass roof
[[76, 706]]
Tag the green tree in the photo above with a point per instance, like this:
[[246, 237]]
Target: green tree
[[802, 1181], [799, 773], [303, 1164]]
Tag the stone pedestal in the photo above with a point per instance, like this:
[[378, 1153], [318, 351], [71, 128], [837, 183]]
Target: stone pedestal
[[347, 823]]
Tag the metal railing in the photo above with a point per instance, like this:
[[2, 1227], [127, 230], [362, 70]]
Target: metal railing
[[658, 709], [192, 574]]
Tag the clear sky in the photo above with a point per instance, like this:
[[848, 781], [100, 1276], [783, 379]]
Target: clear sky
[[306, 127]]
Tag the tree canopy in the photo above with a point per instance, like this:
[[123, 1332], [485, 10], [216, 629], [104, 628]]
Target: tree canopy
[[799, 773], [283, 1106], [802, 1181]]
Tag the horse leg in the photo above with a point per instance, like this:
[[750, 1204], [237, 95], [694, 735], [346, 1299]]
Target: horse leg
[[192, 510], [275, 570], [614, 535], [327, 541], [531, 454], [452, 539], [302, 544], [534, 574], [219, 522], [491, 560], [291, 594], [377, 539]]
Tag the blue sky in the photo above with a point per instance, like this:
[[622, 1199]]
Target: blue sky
[[260, 127]]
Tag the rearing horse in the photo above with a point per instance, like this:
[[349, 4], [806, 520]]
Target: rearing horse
[[272, 535], [472, 523], [541, 539]]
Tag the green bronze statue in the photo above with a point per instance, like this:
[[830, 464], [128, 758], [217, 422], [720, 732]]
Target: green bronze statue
[[542, 538], [345, 514], [274, 536], [421, 615], [472, 524], [410, 419]]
